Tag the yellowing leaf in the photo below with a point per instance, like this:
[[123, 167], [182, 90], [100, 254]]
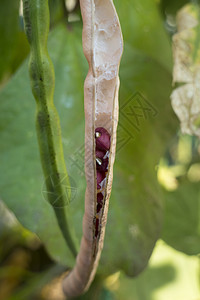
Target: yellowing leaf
[[186, 50]]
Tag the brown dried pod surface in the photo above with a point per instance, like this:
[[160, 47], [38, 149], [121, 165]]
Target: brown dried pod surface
[[102, 46]]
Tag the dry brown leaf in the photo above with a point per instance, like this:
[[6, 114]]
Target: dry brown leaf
[[186, 52]]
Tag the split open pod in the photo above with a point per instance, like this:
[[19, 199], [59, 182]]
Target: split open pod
[[103, 47]]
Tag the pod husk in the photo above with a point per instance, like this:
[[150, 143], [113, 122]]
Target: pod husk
[[102, 46]]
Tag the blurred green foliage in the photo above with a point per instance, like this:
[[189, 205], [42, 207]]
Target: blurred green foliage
[[140, 209], [14, 46], [181, 228]]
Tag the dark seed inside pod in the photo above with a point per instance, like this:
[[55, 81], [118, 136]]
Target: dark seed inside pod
[[100, 198], [100, 178], [102, 139], [98, 161], [103, 166], [100, 154], [96, 227], [99, 207]]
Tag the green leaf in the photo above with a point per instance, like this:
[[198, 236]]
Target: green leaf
[[14, 46], [181, 228], [179, 173], [135, 215], [170, 7], [143, 29], [22, 184], [169, 275]]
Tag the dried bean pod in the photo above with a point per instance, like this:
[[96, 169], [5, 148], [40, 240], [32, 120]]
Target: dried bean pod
[[103, 46]]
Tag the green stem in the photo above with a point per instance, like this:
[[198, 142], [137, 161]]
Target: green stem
[[36, 19]]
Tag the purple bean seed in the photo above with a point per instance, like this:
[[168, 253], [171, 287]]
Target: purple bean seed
[[103, 166], [100, 198], [99, 207], [102, 139], [100, 154], [100, 178]]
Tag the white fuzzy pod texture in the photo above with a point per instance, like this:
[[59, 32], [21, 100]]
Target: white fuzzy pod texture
[[103, 47]]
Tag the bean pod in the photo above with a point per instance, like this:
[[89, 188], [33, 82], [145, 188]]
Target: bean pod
[[102, 46], [36, 20]]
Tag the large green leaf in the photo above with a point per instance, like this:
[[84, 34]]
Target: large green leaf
[[14, 46], [135, 215], [22, 181], [181, 227], [170, 7], [170, 275]]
